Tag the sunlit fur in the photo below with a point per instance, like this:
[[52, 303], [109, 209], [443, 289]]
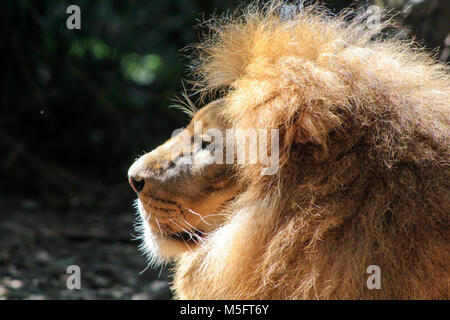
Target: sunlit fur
[[363, 178], [148, 243], [180, 201]]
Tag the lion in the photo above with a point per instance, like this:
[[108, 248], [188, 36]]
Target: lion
[[362, 183]]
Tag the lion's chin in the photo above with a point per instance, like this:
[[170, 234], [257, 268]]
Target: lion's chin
[[156, 247]]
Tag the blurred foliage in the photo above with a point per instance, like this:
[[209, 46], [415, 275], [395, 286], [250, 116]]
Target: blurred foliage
[[78, 106]]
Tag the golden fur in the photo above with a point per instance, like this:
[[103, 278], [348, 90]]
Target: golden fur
[[180, 203], [364, 176], [364, 155]]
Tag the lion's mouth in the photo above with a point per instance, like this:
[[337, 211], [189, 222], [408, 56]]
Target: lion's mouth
[[191, 236], [162, 223], [188, 236]]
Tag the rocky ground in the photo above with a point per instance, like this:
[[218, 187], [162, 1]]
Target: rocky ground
[[38, 245]]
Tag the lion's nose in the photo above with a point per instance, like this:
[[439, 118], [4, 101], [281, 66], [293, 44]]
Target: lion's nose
[[137, 185]]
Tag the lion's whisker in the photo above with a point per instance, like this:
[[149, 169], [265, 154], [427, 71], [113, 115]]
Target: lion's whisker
[[201, 217], [187, 233], [159, 227], [195, 229], [183, 229], [191, 234]]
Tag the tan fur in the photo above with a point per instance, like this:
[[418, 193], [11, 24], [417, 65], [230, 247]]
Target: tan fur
[[179, 197], [364, 179]]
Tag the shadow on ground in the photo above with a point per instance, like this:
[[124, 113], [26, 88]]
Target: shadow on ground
[[37, 245]]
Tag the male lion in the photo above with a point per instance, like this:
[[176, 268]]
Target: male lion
[[363, 180]]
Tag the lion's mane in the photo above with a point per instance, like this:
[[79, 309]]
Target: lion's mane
[[364, 150]]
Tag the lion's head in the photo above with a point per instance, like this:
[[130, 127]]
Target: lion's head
[[182, 184]]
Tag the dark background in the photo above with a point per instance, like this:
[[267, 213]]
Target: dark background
[[78, 106]]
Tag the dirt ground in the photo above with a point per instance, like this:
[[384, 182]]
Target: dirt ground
[[37, 246]]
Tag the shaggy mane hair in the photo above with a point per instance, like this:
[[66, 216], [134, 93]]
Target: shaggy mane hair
[[364, 153]]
